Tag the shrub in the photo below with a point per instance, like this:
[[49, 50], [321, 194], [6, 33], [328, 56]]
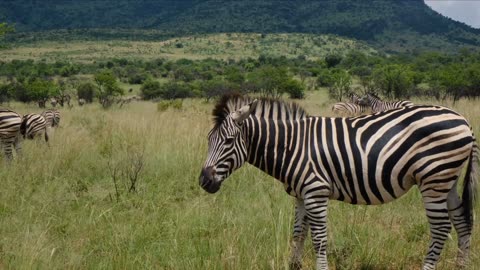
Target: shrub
[[163, 105], [150, 89], [295, 89], [86, 91]]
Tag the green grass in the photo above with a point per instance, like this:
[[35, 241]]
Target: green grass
[[59, 208], [218, 46]]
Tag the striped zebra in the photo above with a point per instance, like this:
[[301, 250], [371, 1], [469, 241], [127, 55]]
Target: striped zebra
[[351, 108], [52, 118], [371, 159], [378, 105], [33, 125], [9, 132]]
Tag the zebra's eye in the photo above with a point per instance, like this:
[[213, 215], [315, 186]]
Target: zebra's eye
[[229, 140]]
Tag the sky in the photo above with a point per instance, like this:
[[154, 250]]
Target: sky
[[466, 11]]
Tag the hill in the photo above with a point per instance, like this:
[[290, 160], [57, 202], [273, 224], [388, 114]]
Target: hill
[[392, 25], [218, 46]]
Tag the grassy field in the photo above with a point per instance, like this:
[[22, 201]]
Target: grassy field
[[59, 208], [219, 46]]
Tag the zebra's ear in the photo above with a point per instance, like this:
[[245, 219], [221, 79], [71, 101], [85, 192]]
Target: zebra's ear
[[244, 112]]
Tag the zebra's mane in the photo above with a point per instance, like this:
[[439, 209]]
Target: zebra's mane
[[264, 108], [374, 95]]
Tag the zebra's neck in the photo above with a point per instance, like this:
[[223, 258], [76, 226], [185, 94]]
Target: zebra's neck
[[278, 147]]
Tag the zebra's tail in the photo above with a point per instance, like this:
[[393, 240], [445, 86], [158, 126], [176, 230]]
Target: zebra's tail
[[470, 184]]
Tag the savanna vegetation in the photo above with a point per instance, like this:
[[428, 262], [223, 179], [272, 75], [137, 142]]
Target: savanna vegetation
[[392, 25], [119, 188]]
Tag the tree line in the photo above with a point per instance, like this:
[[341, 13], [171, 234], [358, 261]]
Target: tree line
[[394, 77]]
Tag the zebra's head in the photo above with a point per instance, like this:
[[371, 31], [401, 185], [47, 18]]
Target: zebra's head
[[227, 149]]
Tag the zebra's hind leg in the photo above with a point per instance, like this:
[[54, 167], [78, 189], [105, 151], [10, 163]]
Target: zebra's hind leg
[[456, 211], [437, 213], [316, 208], [18, 146], [300, 230]]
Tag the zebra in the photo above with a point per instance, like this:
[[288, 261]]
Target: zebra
[[349, 109], [52, 117], [378, 105], [10, 122], [81, 102], [33, 125], [370, 159]]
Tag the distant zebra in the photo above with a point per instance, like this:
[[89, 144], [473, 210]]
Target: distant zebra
[[371, 159], [52, 118], [81, 102], [10, 122], [351, 108], [33, 125], [378, 105], [354, 98]]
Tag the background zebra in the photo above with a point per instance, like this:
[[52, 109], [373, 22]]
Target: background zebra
[[52, 117], [33, 125], [352, 108], [372, 159], [9, 131], [378, 105]]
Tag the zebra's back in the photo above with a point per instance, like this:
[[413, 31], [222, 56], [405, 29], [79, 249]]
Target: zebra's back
[[385, 154], [9, 123], [33, 125], [348, 109]]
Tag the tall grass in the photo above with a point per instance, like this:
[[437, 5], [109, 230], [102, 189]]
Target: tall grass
[[59, 208]]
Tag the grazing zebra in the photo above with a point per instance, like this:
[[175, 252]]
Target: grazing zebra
[[33, 125], [378, 105], [52, 118], [9, 131], [351, 108], [371, 159]]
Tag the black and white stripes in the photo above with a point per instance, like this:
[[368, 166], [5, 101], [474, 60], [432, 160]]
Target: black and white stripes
[[33, 125], [9, 131], [378, 105], [371, 159]]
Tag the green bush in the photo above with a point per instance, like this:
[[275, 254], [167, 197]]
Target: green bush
[[86, 91], [150, 89], [295, 89]]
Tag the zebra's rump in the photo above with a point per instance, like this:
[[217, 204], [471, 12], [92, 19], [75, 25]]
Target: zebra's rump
[[9, 123], [388, 152], [32, 124]]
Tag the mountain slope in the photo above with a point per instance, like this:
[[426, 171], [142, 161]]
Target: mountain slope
[[393, 24]]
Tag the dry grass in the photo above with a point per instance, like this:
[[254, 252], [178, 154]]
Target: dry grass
[[58, 206]]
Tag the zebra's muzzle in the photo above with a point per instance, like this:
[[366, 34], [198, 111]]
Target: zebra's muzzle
[[207, 180]]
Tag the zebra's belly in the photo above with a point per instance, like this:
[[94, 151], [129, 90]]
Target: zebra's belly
[[371, 191]]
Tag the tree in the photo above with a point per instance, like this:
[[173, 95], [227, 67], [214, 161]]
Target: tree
[[270, 80], [5, 29], [395, 81], [341, 84], [151, 89], [40, 90], [107, 87], [86, 91]]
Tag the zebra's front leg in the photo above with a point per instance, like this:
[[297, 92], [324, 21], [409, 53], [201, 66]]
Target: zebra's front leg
[[316, 208], [300, 230]]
